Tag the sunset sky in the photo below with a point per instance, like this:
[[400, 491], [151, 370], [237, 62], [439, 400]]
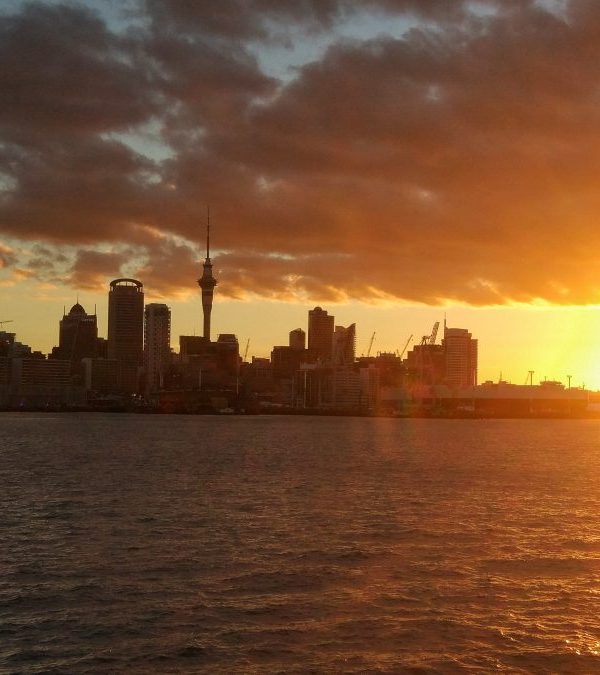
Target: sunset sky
[[390, 160]]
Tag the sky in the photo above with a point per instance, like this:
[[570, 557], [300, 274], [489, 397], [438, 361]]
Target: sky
[[390, 160]]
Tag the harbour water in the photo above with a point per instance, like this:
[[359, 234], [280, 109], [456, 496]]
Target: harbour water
[[168, 544]]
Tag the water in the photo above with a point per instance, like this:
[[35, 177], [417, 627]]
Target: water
[[167, 544]]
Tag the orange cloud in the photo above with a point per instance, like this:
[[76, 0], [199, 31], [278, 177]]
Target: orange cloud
[[458, 161]]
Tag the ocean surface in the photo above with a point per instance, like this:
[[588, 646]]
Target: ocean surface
[[180, 544]]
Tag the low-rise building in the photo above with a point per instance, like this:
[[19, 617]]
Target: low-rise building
[[39, 382]]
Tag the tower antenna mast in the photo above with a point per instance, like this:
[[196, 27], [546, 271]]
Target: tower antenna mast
[[208, 231]]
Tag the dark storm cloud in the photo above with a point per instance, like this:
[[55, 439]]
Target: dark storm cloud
[[64, 72], [459, 161], [77, 190], [209, 85]]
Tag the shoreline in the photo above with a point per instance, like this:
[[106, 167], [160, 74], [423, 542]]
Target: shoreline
[[422, 414]]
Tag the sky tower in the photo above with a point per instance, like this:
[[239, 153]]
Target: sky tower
[[207, 283]]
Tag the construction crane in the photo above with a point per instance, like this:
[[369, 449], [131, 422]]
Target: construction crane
[[6, 321], [372, 340], [246, 350], [401, 354], [434, 333], [430, 339]]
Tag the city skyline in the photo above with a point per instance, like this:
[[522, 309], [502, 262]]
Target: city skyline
[[393, 326], [318, 370], [356, 156], [412, 337]]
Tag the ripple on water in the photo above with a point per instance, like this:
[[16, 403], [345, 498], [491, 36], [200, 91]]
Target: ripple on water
[[272, 544]]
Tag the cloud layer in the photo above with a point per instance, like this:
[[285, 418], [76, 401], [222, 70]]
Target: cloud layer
[[453, 157]]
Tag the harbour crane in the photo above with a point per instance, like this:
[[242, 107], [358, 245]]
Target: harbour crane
[[371, 344], [529, 379]]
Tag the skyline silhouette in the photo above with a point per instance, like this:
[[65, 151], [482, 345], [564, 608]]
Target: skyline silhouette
[[394, 160], [329, 344]]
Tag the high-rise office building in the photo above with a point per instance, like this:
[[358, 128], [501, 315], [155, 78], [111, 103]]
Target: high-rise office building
[[320, 333], [228, 353], [157, 344], [126, 329], [344, 345], [207, 283], [78, 337], [297, 339], [460, 354]]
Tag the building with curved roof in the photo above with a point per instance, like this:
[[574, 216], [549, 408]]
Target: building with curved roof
[[126, 329], [77, 337]]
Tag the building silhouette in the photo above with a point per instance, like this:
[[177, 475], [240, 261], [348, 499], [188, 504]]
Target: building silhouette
[[126, 330], [12, 349], [286, 359], [102, 348], [77, 337], [227, 350], [460, 355], [101, 376], [40, 382], [426, 364], [344, 345], [191, 345], [207, 283], [157, 344], [320, 334], [297, 339]]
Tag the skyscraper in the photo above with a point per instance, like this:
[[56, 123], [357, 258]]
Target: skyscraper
[[344, 345], [207, 283], [126, 329], [320, 333], [78, 337], [157, 344], [460, 353]]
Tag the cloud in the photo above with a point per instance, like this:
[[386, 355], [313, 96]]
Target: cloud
[[7, 256], [169, 268], [457, 161], [64, 71], [91, 269], [85, 190], [242, 19]]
